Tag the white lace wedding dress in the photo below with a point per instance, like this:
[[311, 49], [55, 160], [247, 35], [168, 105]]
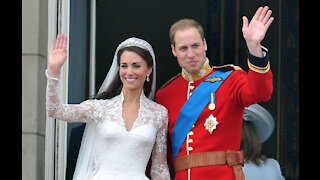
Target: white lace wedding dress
[[115, 152]]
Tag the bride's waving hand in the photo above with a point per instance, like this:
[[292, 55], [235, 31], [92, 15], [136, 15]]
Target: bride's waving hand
[[57, 54], [55, 108]]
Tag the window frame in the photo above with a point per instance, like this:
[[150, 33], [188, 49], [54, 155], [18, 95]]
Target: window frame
[[56, 130]]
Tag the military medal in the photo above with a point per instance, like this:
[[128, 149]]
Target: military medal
[[211, 123], [212, 106]]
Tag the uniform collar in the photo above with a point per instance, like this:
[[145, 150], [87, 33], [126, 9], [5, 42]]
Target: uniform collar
[[205, 70]]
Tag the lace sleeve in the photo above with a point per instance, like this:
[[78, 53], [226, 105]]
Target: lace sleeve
[[159, 167], [65, 112]]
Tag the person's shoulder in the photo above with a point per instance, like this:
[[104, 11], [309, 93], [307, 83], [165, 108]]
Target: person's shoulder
[[170, 81], [162, 109], [275, 166], [227, 67], [156, 109], [237, 74], [157, 106], [272, 161]]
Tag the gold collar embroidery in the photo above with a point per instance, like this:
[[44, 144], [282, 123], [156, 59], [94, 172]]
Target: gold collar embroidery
[[205, 70]]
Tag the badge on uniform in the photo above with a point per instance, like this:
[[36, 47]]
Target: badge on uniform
[[211, 122], [212, 105], [213, 79]]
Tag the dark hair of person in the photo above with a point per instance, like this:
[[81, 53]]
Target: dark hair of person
[[250, 144], [115, 87]]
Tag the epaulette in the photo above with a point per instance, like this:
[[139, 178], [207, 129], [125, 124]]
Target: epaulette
[[169, 81], [227, 67]]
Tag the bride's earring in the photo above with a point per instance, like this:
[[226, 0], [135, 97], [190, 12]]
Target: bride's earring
[[147, 78]]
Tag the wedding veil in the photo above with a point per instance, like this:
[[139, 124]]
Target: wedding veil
[[86, 167]]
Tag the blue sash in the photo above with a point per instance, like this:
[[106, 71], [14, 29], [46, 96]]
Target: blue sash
[[192, 109]]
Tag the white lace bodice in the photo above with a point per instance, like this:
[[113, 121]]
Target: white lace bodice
[[118, 153]]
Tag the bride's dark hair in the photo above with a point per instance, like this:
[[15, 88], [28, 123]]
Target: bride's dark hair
[[115, 87]]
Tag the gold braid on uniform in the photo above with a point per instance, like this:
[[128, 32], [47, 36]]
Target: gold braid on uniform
[[259, 69]]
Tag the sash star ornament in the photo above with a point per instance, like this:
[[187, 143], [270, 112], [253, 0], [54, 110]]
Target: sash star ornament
[[211, 123]]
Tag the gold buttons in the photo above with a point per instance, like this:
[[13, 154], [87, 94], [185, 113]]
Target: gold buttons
[[191, 133], [190, 89]]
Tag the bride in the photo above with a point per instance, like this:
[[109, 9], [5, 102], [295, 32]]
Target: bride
[[124, 126]]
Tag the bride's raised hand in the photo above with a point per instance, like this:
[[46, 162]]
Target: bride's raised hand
[[57, 54]]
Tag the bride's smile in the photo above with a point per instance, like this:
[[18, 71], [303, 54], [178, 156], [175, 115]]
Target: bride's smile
[[133, 70]]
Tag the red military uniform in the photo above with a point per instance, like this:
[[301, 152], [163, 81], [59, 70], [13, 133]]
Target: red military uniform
[[238, 91]]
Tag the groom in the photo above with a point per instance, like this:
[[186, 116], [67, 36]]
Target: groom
[[206, 104]]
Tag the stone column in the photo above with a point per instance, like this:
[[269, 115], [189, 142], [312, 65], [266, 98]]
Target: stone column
[[34, 63]]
